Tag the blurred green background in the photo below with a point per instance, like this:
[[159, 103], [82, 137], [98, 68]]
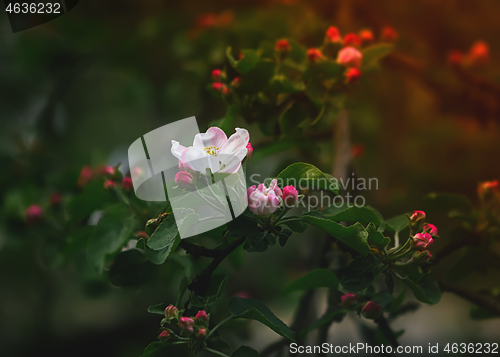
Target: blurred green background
[[80, 89]]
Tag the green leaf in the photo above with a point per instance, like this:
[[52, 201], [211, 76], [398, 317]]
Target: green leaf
[[182, 290], [112, 232], [207, 301], [398, 301], [426, 289], [354, 236], [300, 174], [246, 63], [361, 214], [227, 122], [158, 309], [377, 237], [373, 54], [397, 224], [296, 225], [130, 268], [256, 310], [326, 318], [443, 202], [93, 197], [319, 278], [164, 235], [245, 351], [159, 256], [361, 273], [155, 347], [281, 84]]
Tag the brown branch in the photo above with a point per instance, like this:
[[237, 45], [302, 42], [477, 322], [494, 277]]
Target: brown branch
[[198, 251], [200, 283], [455, 245], [486, 302]]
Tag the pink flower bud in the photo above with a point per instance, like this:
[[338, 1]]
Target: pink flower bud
[[226, 90], [218, 75], [243, 294], [236, 82], [314, 55], [487, 188], [201, 315], [333, 35], [417, 216], [479, 53], [423, 256], [33, 215], [352, 75], [183, 179], [290, 196], [366, 36], [455, 57], [142, 234], [357, 150], [171, 312], [186, 325], [351, 39], [431, 229], [348, 301], [55, 199], [108, 171], [218, 86], [422, 240], [350, 57], [389, 34], [249, 151], [371, 310], [164, 335], [85, 176], [264, 201], [201, 334], [109, 184], [127, 183], [282, 46]]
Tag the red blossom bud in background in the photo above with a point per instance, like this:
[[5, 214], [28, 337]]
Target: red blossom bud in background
[[240, 56], [249, 151], [417, 216], [371, 310], [85, 176], [350, 57], [352, 75], [218, 75], [142, 234], [55, 199], [357, 150], [164, 335], [455, 57], [423, 256], [422, 240], [171, 312], [127, 183], [290, 196], [366, 36], [106, 171], [314, 55], [348, 301], [389, 34], [479, 53], [183, 179], [109, 184], [226, 90], [202, 316], [431, 229], [201, 334], [218, 86], [33, 215], [487, 188], [333, 35], [236, 82], [351, 39], [186, 325], [282, 46], [243, 294]]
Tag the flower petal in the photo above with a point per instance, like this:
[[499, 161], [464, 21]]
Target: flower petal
[[196, 159], [236, 143], [214, 136], [177, 149]]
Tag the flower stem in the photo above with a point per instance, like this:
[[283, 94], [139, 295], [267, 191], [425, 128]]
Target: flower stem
[[219, 325], [216, 352]]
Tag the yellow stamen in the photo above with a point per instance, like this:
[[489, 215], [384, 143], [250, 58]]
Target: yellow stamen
[[211, 150]]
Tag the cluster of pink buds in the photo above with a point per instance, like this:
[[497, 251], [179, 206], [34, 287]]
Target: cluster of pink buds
[[478, 55], [369, 310], [264, 201], [195, 327], [426, 231], [221, 84], [112, 177]]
